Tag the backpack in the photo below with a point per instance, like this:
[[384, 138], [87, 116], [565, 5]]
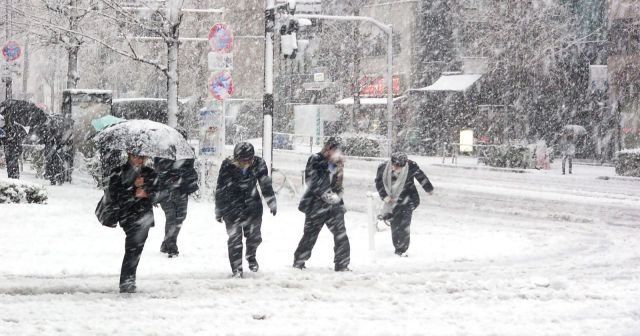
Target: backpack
[[106, 212]]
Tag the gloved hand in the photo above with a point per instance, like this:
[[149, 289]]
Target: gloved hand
[[331, 198], [273, 208]]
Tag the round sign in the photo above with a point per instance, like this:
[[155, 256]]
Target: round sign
[[220, 85], [11, 51], [220, 38]]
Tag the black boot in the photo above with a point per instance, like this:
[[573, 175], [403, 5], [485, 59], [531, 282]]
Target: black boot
[[253, 264]]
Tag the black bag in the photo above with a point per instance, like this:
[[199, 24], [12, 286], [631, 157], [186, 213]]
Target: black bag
[[106, 213]]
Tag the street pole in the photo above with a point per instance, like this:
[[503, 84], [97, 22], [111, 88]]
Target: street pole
[[7, 24], [267, 102], [387, 29]]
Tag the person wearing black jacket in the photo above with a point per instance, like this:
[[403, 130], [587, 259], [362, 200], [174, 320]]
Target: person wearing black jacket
[[322, 205], [177, 179], [132, 189], [239, 205], [395, 184]]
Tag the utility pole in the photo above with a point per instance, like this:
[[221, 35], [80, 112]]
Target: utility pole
[[7, 26], [267, 100]]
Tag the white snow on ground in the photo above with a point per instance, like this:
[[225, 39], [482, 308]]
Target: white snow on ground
[[492, 253]]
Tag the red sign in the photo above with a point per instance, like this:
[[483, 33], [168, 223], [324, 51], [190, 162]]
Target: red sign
[[11, 51], [220, 38], [221, 85], [376, 86]]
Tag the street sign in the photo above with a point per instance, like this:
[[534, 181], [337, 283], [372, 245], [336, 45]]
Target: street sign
[[318, 77], [220, 85], [316, 86], [220, 38], [218, 61], [11, 51]]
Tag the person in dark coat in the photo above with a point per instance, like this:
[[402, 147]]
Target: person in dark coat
[[322, 205], [395, 184], [239, 205], [15, 134], [52, 136], [178, 179], [133, 188]]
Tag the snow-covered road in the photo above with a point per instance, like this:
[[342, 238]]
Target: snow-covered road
[[492, 253]]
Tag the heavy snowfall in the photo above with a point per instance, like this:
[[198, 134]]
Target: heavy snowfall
[[320, 167]]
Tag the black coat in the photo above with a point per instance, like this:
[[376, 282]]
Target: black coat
[[409, 196], [122, 193], [319, 181], [237, 193], [178, 175]]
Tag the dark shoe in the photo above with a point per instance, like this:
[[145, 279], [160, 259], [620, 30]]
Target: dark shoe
[[128, 288], [173, 254], [343, 269], [237, 274], [253, 264], [163, 248], [299, 265], [402, 254]]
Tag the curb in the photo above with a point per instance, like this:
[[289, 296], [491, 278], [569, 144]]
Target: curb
[[619, 178], [495, 169]]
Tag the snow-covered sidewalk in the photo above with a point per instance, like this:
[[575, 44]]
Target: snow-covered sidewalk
[[491, 254]]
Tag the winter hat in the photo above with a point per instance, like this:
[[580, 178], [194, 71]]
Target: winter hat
[[399, 159], [244, 151], [332, 143]]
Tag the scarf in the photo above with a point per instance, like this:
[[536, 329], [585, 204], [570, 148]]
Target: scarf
[[393, 189]]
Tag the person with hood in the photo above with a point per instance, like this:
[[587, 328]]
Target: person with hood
[[322, 205], [178, 179], [133, 190], [239, 205], [396, 187]]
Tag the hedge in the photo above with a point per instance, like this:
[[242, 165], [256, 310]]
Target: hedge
[[628, 162], [16, 191]]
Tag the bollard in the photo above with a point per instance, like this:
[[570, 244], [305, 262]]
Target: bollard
[[372, 220]]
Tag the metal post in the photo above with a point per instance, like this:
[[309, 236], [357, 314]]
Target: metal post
[[7, 23], [390, 90], [267, 102]]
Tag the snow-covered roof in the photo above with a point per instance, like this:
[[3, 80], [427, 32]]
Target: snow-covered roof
[[450, 82], [368, 101]]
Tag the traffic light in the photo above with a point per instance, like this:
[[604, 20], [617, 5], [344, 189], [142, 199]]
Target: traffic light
[[288, 39]]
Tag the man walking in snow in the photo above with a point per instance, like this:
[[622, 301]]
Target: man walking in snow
[[239, 205], [395, 184], [178, 179], [132, 188], [322, 205]]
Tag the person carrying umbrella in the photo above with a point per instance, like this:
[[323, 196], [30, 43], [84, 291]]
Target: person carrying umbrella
[[568, 150], [133, 188], [239, 206], [396, 187]]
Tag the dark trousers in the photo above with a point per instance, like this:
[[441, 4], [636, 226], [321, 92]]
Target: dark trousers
[[566, 158], [137, 232], [12, 158], [236, 229], [334, 220], [401, 229], [175, 212]]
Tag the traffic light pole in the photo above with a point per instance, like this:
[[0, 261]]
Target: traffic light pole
[[387, 29], [267, 101]]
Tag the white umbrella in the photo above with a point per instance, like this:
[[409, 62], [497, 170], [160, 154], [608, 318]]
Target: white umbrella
[[146, 138], [575, 129]]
